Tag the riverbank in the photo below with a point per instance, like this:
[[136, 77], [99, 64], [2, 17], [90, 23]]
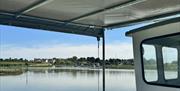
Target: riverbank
[[10, 71], [13, 71], [5, 71], [45, 64], [25, 64]]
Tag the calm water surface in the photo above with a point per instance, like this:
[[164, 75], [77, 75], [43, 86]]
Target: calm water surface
[[68, 79]]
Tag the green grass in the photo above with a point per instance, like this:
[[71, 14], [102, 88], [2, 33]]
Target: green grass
[[40, 65], [23, 64]]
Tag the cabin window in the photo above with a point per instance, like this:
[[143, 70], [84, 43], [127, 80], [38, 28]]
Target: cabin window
[[170, 59], [150, 63], [161, 60]]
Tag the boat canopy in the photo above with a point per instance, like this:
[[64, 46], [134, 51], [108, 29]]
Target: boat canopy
[[84, 17]]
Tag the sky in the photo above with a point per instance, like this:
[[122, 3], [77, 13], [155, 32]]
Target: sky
[[17, 42]]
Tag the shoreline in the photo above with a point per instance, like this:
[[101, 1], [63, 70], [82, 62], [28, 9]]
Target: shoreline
[[18, 71]]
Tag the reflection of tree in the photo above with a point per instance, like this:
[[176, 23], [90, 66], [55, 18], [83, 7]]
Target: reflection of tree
[[174, 62], [37, 71], [150, 64], [76, 72], [150, 61], [171, 66], [50, 71]]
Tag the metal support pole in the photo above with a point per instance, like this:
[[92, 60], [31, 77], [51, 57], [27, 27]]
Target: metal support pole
[[103, 57], [179, 63]]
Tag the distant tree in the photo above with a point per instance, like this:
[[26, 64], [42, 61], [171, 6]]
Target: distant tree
[[74, 58], [174, 62], [150, 61], [1, 59], [21, 60], [97, 60], [82, 59], [130, 61], [91, 59], [25, 60]]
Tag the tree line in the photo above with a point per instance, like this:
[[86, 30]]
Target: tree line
[[73, 61]]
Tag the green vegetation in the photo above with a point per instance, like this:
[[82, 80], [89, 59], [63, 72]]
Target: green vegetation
[[71, 62], [170, 67], [152, 65], [10, 71], [17, 66]]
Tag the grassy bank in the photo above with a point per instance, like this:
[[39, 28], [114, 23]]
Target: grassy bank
[[120, 66], [39, 65], [24, 64], [10, 71]]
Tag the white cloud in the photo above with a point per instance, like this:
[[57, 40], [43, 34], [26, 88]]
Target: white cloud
[[114, 50]]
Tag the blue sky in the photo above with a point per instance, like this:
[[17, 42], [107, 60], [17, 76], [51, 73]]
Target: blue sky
[[19, 42], [24, 36]]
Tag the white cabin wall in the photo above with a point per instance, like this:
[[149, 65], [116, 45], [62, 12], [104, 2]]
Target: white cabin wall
[[138, 37]]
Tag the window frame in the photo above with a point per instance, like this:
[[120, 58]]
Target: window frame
[[142, 61]]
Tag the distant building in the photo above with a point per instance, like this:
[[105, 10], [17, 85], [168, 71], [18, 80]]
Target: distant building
[[52, 61], [38, 60]]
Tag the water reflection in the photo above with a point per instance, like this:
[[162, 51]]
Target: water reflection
[[68, 79]]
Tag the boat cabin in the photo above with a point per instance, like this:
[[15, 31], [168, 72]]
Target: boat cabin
[[157, 56]]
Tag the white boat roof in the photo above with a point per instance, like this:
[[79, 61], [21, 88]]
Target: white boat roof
[[157, 24], [85, 17]]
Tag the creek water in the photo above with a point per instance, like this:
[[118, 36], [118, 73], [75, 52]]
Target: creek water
[[68, 79]]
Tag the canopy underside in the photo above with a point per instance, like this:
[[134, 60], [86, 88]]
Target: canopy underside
[[86, 17]]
